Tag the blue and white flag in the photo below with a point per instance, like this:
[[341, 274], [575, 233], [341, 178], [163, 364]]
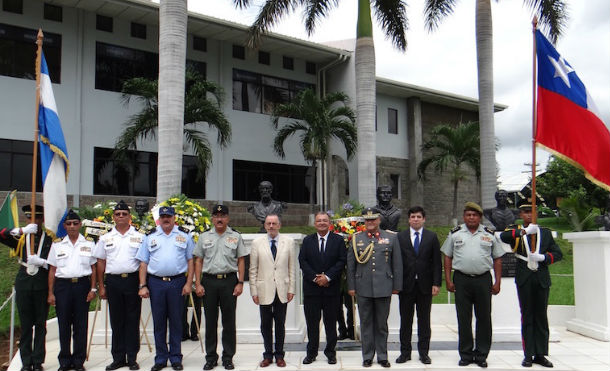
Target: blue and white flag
[[53, 156]]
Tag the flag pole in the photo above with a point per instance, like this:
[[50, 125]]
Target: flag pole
[[534, 117], [39, 38]]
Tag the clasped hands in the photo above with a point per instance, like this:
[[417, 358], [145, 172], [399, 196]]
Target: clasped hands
[[321, 280]]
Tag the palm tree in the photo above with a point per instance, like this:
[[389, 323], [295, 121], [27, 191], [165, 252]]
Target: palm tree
[[552, 14], [198, 109], [317, 121], [450, 148], [172, 56], [391, 14]]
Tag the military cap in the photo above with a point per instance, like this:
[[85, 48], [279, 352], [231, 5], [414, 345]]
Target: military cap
[[72, 215], [167, 210], [370, 213], [525, 204], [220, 209], [472, 206], [27, 210], [121, 206]]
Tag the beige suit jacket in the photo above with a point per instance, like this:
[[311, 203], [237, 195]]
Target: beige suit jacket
[[268, 276]]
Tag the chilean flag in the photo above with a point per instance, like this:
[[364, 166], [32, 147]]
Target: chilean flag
[[568, 123], [53, 157]]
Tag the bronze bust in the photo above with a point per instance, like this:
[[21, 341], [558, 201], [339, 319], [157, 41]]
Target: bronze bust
[[390, 214], [266, 205], [500, 216]]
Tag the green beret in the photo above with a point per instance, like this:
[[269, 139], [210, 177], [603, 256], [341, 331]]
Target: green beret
[[471, 206]]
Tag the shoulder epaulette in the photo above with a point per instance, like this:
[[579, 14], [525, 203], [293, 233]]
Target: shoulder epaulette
[[235, 230], [456, 229], [88, 238], [512, 226], [389, 231], [58, 239], [151, 231], [182, 229], [488, 230]]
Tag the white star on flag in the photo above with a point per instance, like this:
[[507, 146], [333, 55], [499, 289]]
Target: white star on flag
[[562, 69]]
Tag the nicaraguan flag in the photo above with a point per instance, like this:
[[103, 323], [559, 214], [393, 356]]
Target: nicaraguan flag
[[53, 156], [568, 123]]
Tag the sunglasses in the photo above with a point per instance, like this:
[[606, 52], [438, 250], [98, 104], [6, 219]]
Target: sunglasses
[[121, 213], [76, 222]]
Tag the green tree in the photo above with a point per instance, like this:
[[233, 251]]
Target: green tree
[[552, 14], [561, 180], [391, 14], [317, 122], [203, 102], [452, 148]]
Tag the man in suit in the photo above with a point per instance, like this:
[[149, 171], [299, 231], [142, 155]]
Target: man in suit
[[374, 273], [322, 258], [421, 280], [272, 285], [533, 283]]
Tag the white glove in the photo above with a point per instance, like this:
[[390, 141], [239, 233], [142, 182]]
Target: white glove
[[537, 257], [36, 260], [531, 229], [30, 228], [16, 232]]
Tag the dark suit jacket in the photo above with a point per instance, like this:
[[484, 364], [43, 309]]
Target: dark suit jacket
[[332, 265], [426, 265]]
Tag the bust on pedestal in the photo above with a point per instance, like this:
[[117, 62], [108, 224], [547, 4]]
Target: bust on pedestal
[[390, 214], [266, 205]]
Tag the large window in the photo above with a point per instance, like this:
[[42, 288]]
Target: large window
[[115, 64], [18, 52], [138, 175], [392, 121], [290, 183], [254, 92], [16, 166]]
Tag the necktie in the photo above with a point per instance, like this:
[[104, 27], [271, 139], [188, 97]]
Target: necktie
[[322, 246], [416, 243], [273, 249]]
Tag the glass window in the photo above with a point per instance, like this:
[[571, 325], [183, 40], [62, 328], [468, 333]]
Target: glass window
[[103, 23], [13, 6], [392, 121], [53, 12], [264, 58], [295, 184], [395, 180], [138, 175], [239, 52], [200, 43], [16, 165], [138, 30], [288, 63], [310, 68], [18, 52]]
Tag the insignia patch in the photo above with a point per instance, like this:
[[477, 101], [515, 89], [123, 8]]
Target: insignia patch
[[180, 239], [232, 239], [135, 239], [384, 241], [486, 238], [153, 243]]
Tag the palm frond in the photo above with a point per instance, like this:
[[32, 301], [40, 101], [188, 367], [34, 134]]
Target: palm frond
[[552, 14], [392, 15], [271, 12], [435, 11], [201, 146], [283, 134], [314, 10]]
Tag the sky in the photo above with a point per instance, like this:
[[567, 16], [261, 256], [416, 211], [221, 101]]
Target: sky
[[446, 59]]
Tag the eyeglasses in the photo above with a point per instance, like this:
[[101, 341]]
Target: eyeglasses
[[76, 222], [121, 213]]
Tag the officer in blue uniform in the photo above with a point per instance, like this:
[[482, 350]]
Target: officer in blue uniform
[[165, 256]]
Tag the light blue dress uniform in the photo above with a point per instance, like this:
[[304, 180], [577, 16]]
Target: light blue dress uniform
[[167, 256]]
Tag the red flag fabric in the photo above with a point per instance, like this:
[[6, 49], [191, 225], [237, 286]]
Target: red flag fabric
[[568, 124]]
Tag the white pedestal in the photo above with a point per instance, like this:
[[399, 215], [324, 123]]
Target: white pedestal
[[591, 284]]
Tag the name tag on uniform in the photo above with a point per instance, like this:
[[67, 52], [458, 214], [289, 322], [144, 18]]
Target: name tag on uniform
[[458, 243], [61, 253], [208, 244], [153, 244]]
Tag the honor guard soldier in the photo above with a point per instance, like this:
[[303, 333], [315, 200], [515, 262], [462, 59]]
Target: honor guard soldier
[[166, 259], [72, 282], [533, 282], [31, 285], [116, 257], [374, 273], [220, 255], [472, 250]]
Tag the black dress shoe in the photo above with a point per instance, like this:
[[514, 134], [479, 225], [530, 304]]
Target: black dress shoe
[[177, 366], [228, 365], [64, 368], [79, 368], [332, 360], [527, 362], [26, 368], [464, 362], [185, 337], [157, 367], [133, 365], [542, 361], [403, 358], [367, 363], [37, 367], [210, 365], [482, 363], [342, 336], [115, 365], [425, 359], [194, 337], [384, 363], [307, 360]]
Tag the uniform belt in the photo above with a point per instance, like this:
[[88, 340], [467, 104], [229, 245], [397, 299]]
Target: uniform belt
[[73, 280], [219, 276], [472, 275], [167, 278], [123, 275]]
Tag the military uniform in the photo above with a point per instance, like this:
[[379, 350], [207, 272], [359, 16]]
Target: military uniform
[[533, 287], [472, 258], [166, 256], [71, 286], [374, 280], [121, 281], [31, 296], [220, 254]]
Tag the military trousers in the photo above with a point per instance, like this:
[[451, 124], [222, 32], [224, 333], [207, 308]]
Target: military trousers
[[72, 319], [533, 300], [473, 292], [374, 314], [124, 305], [219, 294], [409, 301], [31, 297]]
